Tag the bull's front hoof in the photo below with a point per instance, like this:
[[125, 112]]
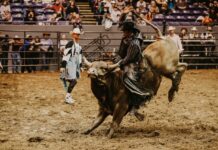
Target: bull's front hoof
[[110, 136]]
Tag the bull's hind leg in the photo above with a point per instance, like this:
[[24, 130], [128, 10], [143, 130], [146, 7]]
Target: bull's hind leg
[[119, 112], [98, 120], [176, 79]]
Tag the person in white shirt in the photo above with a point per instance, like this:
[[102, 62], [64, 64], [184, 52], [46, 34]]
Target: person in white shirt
[[63, 43], [172, 35], [115, 14], [71, 64], [46, 50], [141, 6], [194, 33]]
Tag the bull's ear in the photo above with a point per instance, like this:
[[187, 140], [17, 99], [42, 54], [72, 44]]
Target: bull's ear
[[89, 64]]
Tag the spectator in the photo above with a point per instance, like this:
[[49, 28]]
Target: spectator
[[76, 21], [173, 36], [212, 14], [153, 7], [210, 42], [6, 11], [35, 53], [209, 33], [72, 8], [99, 11], [194, 34], [1, 67], [15, 55], [149, 16], [107, 21], [207, 20], [128, 2], [55, 18], [141, 6], [115, 14], [171, 4], [184, 34], [30, 17], [4, 48], [58, 8], [160, 3], [46, 50], [63, 43], [181, 4], [25, 54], [120, 4], [108, 5]]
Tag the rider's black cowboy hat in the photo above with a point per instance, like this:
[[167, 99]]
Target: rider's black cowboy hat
[[129, 26]]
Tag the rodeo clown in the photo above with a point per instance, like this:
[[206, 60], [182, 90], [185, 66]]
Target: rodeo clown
[[71, 63]]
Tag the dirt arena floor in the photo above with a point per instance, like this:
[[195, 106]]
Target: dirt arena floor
[[33, 116]]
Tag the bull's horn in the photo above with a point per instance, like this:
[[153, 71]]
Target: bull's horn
[[87, 62], [114, 65]]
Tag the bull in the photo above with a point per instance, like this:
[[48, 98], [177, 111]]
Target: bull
[[113, 97], [160, 58]]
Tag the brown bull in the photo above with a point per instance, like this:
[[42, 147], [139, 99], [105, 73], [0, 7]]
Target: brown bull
[[163, 57], [113, 98], [160, 58]]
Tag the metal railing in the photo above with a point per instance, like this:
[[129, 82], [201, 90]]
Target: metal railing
[[98, 46]]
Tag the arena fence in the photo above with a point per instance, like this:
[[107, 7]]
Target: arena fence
[[201, 53]]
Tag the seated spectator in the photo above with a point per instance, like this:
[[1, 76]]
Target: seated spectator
[[76, 21], [199, 19], [57, 7], [99, 11], [171, 4], [207, 20], [128, 2], [115, 14], [149, 16], [6, 11], [141, 6], [72, 8], [212, 14], [165, 9], [194, 33], [53, 19], [107, 21], [181, 4], [153, 7], [108, 5], [30, 17], [160, 3], [120, 4]]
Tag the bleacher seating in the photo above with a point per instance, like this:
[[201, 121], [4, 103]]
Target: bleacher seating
[[177, 17]]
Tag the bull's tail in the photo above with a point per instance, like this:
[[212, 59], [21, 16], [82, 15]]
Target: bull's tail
[[160, 36]]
